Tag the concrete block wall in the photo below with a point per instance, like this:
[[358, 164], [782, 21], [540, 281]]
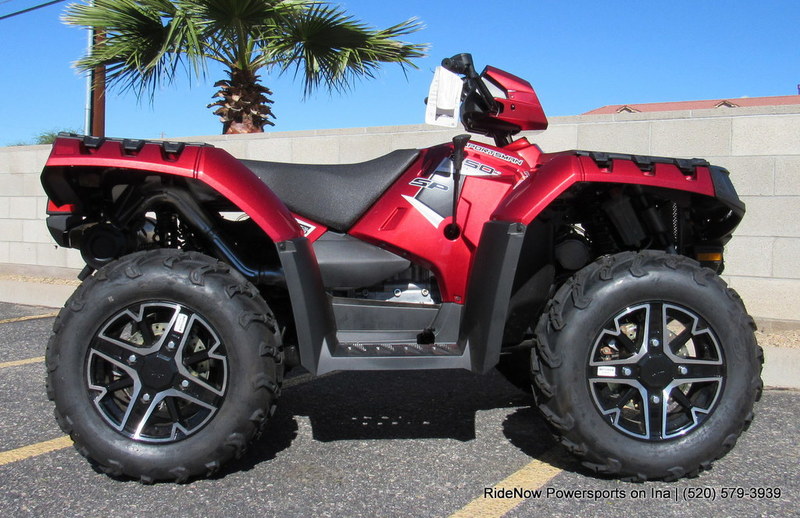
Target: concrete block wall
[[760, 146], [761, 149], [25, 242]]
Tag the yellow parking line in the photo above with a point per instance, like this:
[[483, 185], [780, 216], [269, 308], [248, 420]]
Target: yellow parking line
[[40, 448], [26, 361], [531, 477], [29, 317]]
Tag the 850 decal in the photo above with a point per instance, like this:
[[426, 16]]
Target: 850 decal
[[479, 169]]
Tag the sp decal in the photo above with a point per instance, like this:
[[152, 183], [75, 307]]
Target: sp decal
[[427, 183]]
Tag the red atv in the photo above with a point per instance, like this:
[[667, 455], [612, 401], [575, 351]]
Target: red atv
[[208, 276]]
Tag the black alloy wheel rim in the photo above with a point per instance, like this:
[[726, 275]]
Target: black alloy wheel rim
[[656, 371], [157, 372]]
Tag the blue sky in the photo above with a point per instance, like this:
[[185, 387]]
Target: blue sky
[[579, 55]]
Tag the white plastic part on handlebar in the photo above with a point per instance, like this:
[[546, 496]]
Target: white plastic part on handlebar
[[444, 99]]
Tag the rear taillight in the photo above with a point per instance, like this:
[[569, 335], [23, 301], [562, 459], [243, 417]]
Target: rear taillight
[[53, 209]]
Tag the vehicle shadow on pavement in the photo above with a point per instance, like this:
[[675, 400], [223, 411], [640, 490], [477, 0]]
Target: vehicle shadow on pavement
[[527, 430], [400, 405]]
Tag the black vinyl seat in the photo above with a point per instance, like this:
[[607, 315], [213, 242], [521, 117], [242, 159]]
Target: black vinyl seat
[[334, 195]]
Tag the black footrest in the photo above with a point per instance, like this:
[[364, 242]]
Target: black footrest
[[361, 349]]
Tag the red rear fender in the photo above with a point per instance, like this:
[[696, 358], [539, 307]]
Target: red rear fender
[[233, 180], [159, 157], [91, 157]]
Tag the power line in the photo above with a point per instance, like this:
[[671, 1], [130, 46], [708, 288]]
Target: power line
[[30, 9]]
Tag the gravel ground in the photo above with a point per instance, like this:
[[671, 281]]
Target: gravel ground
[[788, 338], [41, 280]]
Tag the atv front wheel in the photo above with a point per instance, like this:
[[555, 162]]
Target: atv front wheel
[[163, 365], [646, 366]]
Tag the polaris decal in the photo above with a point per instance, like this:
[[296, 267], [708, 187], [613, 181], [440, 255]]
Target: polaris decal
[[306, 227], [496, 154]]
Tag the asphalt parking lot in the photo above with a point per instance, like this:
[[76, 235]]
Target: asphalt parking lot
[[380, 445]]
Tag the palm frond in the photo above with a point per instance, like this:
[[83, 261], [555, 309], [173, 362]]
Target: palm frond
[[233, 26], [327, 47], [144, 42], [147, 43]]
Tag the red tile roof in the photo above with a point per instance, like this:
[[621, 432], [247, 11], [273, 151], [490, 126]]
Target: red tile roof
[[697, 105]]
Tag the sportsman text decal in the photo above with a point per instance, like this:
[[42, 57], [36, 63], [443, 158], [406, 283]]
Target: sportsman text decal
[[496, 154]]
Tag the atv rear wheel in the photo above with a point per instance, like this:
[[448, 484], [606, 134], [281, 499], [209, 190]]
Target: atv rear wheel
[[646, 366], [164, 365]]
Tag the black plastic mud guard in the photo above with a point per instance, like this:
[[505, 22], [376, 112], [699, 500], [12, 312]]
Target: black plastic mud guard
[[489, 292], [313, 314], [59, 226], [726, 193]]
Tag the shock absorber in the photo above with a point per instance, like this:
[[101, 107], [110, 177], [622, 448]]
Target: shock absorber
[[655, 222], [167, 226]]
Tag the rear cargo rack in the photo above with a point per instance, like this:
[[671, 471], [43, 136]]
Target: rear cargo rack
[[132, 146]]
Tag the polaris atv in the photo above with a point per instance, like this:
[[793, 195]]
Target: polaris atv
[[207, 277]]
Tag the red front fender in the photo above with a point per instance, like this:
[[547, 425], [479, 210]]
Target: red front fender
[[558, 172]]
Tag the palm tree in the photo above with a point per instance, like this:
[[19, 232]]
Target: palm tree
[[148, 42]]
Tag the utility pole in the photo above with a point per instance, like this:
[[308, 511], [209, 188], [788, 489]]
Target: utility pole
[[95, 121], [97, 125]]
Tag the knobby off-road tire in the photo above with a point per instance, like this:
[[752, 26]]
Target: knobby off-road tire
[[646, 366], [163, 366]]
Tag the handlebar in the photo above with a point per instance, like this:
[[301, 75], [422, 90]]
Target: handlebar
[[462, 64]]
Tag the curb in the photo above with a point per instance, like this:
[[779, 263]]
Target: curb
[[36, 293]]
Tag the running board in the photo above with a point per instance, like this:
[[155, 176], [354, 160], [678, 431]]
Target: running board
[[329, 363], [377, 335]]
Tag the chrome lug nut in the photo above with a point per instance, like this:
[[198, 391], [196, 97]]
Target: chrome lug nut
[[146, 398], [683, 370], [655, 399], [627, 371], [171, 345], [655, 342], [185, 384], [132, 358]]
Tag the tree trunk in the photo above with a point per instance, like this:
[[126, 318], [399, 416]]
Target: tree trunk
[[245, 126], [243, 105]]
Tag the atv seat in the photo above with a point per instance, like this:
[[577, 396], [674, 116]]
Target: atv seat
[[334, 195]]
